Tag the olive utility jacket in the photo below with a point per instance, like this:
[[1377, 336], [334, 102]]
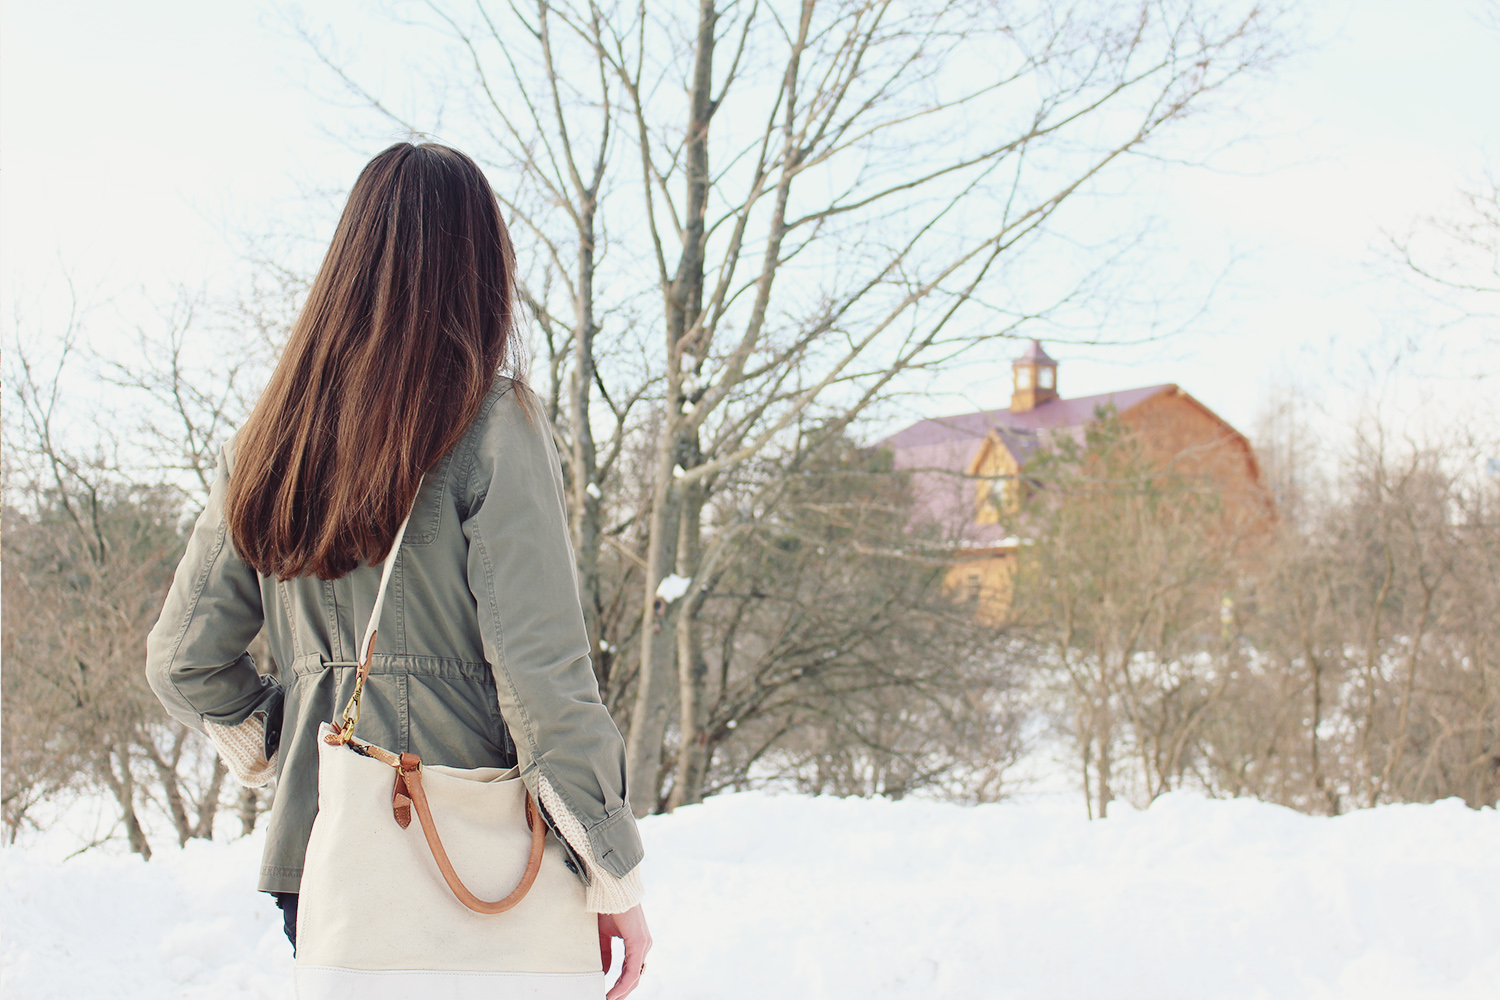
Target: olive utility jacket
[[481, 658]]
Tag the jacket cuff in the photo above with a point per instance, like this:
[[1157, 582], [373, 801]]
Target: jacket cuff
[[604, 891], [242, 748]]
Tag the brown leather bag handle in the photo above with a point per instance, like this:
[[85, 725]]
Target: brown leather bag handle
[[409, 782]]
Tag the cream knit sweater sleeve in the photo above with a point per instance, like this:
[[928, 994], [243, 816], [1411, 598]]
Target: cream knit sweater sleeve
[[606, 892], [243, 750]]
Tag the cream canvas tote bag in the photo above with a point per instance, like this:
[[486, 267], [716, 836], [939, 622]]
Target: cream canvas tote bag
[[429, 881]]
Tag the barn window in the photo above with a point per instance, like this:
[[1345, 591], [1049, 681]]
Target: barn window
[[1003, 496]]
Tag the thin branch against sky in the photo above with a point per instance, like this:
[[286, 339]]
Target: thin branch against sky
[[139, 181]]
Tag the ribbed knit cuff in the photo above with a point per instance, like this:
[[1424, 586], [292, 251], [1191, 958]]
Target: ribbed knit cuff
[[611, 894], [605, 892], [242, 748]]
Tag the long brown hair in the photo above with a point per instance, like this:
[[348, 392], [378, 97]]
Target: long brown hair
[[406, 325]]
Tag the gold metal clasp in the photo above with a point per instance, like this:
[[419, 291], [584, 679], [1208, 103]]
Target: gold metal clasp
[[352, 708]]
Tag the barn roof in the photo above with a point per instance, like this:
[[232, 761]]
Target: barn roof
[[941, 449], [1055, 413]]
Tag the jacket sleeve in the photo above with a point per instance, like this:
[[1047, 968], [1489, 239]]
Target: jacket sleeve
[[196, 659], [524, 581]]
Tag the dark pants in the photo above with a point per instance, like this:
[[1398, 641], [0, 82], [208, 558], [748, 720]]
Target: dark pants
[[288, 903]]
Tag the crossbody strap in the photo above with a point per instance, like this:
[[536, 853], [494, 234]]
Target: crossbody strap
[[367, 643]]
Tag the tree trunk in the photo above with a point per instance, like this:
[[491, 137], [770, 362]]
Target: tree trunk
[[1373, 639], [1388, 777], [585, 457], [1104, 766], [648, 715], [171, 788], [679, 447], [208, 808], [249, 810], [122, 784], [692, 668], [1320, 782], [1086, 756]]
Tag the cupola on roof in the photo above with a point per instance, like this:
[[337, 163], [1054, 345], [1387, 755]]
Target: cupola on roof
[[1034, 353], [1033, 379]]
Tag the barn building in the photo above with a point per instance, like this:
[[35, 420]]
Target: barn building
[[968, 470]]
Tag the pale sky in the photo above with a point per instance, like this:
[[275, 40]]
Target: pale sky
[[137, 139]]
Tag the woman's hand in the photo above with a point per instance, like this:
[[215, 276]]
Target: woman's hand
[[630, 927]]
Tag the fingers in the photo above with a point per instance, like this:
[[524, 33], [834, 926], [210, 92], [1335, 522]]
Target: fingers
[[631, 926], [606, 938], [630, 977]]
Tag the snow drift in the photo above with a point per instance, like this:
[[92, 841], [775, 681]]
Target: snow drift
[[756, 896]]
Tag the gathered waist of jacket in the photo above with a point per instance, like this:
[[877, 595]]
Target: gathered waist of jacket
[[397, 663]]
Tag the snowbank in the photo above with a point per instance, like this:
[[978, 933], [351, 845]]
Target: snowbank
[[755, 896]]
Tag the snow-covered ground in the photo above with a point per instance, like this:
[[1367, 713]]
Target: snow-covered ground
[[757, 896]]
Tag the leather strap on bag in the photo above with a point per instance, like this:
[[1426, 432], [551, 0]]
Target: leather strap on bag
[[408, 791], [409, 784]]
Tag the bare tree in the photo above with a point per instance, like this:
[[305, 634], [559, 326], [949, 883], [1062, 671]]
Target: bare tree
[[95, 508], [1376, 627], [1459, 255], [828, 197], [84, 560], [836, 660], [1124, 585]]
